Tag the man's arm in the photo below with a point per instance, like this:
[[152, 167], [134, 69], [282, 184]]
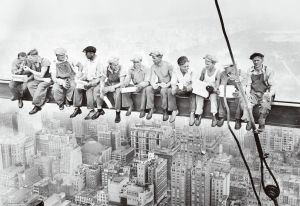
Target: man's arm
[[271, 82], [16, 69]]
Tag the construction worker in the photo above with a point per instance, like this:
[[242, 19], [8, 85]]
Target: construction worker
[[209, 75], [259, 91], [38, 87], [63, 74], [160, 74], [18, 88], [114, 79], [92, 74], [181, 84], [229, 77], [139, 75]]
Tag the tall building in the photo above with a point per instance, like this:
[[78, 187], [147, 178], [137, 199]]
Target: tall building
[[220, 187], [93, 176], [93, 153], [180, 183], [9, 122], [145, 139], [200, 184], [71, 158], [124, 154], [110, 138], [157, 175]]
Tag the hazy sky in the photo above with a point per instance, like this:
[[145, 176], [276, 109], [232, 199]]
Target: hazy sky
[[177, 27]]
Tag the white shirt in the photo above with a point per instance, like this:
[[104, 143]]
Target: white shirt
[[179, 78], [93, 69]]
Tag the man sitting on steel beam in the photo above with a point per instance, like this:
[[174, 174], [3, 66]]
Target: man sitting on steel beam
[[181, 84], [228, 77], [259, 91], [63, 74], [140, 77], [114, 74], [160, 80], [18, 84], [38, 87], [90, 77]]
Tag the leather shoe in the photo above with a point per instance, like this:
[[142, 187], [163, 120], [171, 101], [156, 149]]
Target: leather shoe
[[197, 119], [13, 98], [192, 119], [165, 115], [35, 110], [214, 121], [220, 122], [118, 117], [20, 103], [248, 126], [238, 124], [76, 112], [97, 114], [173, 117], [142, 114], [128, 113], [61, 107], [150, 113], [90, 114]]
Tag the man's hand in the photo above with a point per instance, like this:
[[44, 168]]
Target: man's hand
[[87, 86], [26, 68], [48, 80], [217, 91], [163, 85], [155, 86], [66, 84], [174, 91]]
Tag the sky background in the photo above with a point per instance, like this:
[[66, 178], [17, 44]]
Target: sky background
[[176, 27]]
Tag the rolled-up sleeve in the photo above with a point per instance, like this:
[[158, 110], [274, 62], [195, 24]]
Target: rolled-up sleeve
[[100, 70]]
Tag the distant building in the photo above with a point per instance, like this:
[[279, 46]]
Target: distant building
[[220, 187], [71, 158], [93, 176], [93, 153], [88, 197], [42, 187], [123, 155], [102, 197]]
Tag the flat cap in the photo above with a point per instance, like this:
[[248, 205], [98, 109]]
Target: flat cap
[[60, 51], [210, 58], [156, 53], [113, 60], [256, 54], [136, 59], [89, 49], [33, 52]]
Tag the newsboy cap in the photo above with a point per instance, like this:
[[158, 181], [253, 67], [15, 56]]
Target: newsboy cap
[[60, 51], [90, 49], [256, 54], [210, 58], [156, 53], [136, 59]]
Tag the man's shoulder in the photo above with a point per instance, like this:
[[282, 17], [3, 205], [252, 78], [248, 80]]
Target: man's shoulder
[[45, 61]]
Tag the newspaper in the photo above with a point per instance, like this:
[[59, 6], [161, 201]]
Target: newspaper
[[199, 88]]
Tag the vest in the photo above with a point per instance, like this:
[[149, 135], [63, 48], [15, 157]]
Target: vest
[[113, 77]]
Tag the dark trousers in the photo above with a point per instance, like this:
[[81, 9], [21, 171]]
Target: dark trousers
[[91, 97], [17, 89], [222, 109], [172, 105]]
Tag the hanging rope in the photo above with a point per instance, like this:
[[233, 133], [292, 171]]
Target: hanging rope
[[272, 191]]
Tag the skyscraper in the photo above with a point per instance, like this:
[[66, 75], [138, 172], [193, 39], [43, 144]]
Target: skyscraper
[[220, 187]]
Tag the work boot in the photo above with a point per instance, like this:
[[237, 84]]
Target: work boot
[[13, 98], [68, 103], [128, 113], [214, 121], [61, 106], [197, 119], [118, 117], [97, 114], [220, 122], [20, 103], [76, 112], [261, 123], [173, 117], [142, 114], [238, 124], [35, 110], [192, 119], [248, 126], [90, 114], [150, 113], [165, 115]]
